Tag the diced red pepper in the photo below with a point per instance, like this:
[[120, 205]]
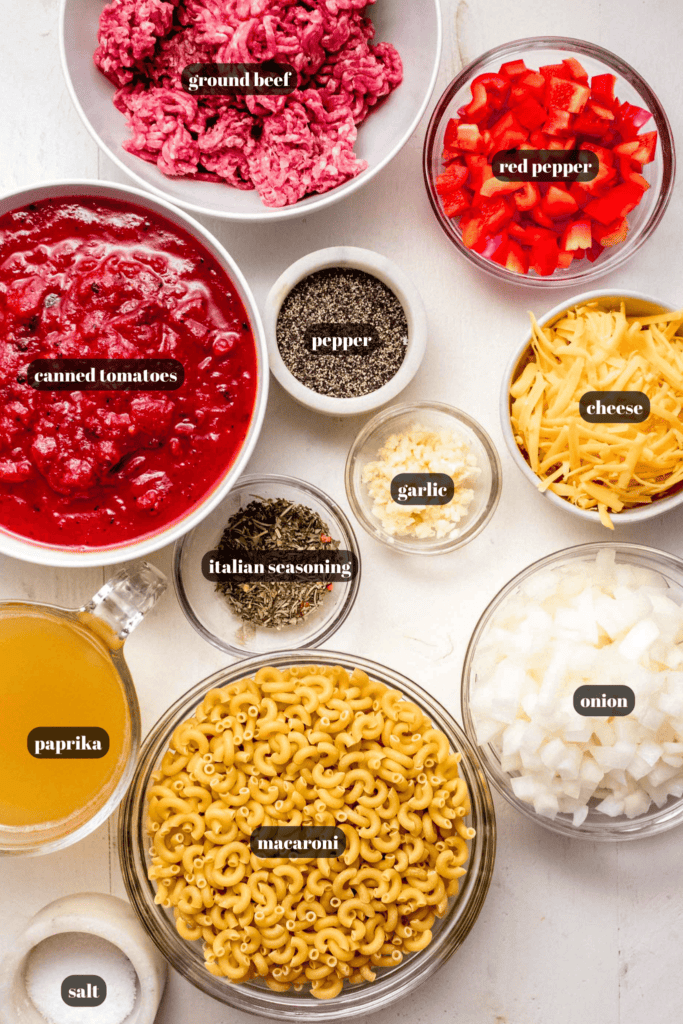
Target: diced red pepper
[[603, 113], [469, 137], [541, 217], [513, 68], [492, 82], [534, 82], [494, 187], [646, 148], [452, 178], [602, 87], [577, 235], [471, 226], [578, 189], [479, 168], [496, 212], [456, 201], [631, 119], [555, 71], [611, 234], [594, 251], [628, 173], [530, 114], [627, 148], [576, 69], [544, 256], [559, 121], [528, 196], [616, 204], [568, 96], [539, 140], [516, 260], [603, 154], [589, 124], [478, 108], [557, 202], [523, 226], [516, 230]]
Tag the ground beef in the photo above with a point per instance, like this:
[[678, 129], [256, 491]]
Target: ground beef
[[285, 147]]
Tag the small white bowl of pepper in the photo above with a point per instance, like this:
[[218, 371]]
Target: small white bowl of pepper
[[346, 330]]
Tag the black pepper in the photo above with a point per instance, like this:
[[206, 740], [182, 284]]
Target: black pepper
[[342, 295]]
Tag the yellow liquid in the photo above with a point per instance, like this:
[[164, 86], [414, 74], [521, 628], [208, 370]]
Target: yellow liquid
[[55, 673]]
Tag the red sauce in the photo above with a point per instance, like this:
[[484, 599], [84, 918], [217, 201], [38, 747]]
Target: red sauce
[[86, 277]]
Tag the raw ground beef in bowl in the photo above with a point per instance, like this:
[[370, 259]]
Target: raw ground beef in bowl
[[286, 147]]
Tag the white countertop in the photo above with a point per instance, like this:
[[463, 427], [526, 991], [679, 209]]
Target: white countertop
[[571, 931]]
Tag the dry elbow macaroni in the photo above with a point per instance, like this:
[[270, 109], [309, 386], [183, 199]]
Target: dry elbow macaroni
[[307, 745]]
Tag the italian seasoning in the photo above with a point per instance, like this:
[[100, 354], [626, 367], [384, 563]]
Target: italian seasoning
[[269, 524], [342, 296]]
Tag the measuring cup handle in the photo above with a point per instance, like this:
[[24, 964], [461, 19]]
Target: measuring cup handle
[[121, 604]]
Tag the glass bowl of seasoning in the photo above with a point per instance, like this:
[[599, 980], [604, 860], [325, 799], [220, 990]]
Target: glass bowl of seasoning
[[276, 564], [346, 330], [423, 477]]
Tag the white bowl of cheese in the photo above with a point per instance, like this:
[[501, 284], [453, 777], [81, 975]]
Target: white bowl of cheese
[[580, 463]]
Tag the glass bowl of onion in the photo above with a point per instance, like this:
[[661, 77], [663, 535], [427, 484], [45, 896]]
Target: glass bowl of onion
[[606, 618]]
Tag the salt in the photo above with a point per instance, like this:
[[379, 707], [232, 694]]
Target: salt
[[79, 953]]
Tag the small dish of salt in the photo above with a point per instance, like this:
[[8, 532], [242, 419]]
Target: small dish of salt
[[83, 958], [82, 969]]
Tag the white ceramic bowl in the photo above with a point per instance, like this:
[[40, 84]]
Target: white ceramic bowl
[[44, 554], [90, 913], [636, 303], [414, 28], [404, 290]]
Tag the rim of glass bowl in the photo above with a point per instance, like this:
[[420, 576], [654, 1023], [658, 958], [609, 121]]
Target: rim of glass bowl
[[666, 151], [607, 830], [349, 543], [372, 527], [358, 1000]]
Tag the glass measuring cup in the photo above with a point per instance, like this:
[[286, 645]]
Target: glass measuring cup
[[70, 714]]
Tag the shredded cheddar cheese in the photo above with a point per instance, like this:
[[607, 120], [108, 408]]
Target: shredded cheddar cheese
[[607, 467]]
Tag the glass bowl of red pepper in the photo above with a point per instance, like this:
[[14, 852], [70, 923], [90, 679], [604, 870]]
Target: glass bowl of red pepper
[[534, 100]]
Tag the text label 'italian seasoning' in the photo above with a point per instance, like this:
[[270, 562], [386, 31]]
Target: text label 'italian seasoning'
[[604, 701], [240, 566], [558, 165], [340, 339], [267, 79], [105, 374], [84, 990], [68, 743], [422, 489], [297, 841], [614, 407]]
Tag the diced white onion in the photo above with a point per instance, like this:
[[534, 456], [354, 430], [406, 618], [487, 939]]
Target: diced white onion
[[585, 623]]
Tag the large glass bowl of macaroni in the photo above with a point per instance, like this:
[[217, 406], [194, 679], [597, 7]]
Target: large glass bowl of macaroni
[[421, 868]]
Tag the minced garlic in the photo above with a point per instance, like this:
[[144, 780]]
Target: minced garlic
[[421, 450]]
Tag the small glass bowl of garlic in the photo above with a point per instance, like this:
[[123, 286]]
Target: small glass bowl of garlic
[[423, 478]]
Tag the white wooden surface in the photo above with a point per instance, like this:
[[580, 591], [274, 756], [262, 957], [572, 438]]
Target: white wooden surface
[[570, 931]]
